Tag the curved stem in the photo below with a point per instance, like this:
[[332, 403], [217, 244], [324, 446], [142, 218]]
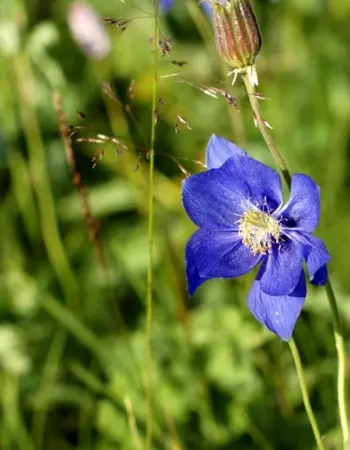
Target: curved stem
[[337, 328], [150, 238], [305, 394]]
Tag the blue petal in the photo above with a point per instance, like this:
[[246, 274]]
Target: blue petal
[[216, 253], [214, 197], [321, 276], [263, 181], [282, 268], [316, 256], [219, 150], [278, 313], [220, 196], [303, 206], [194, 280], [207, 8], [166, 5]]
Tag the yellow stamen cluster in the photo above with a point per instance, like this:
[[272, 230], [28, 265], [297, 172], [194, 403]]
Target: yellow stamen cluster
[[259, 231]]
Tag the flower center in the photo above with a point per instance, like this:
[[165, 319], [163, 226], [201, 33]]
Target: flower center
[[259, 231]]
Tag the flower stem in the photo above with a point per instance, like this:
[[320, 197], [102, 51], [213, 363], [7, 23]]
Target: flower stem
[[339, 343], [264, 129], [337, 328], [149, 427], [305, 394]]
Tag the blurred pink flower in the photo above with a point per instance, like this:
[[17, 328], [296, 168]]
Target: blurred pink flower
[[88, 30]]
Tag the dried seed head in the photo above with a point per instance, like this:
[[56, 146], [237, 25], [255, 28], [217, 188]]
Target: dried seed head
[[237, 34]]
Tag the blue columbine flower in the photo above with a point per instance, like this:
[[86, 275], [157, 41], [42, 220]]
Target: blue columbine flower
[[237, 205]]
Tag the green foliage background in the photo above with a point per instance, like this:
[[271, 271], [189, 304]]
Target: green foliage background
[[72, 339]]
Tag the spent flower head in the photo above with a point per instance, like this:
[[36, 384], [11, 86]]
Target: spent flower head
[[237, 35], [237, 204]]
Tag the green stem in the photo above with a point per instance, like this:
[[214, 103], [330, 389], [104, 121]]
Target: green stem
[[305, 394], [264, 129], [339, 344], [49, 376], [40, 178], [14, 431], [337, 328], [70, 321], [149, 427]]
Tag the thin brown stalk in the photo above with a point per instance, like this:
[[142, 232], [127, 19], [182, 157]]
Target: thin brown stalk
[[91, 224]]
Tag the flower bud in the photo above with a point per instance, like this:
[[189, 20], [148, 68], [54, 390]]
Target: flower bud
[[237, 34]]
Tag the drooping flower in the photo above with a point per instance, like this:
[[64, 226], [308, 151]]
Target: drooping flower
[[237, 205], [88, 30], [237, 36]]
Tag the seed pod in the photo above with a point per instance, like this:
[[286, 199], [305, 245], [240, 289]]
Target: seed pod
[[237, 34]]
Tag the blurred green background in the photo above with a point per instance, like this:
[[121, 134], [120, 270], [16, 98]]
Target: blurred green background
[[72, 334]]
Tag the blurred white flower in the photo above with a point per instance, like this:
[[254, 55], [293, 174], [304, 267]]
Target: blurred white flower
[[13, 357], [23, 292], [88, 31]]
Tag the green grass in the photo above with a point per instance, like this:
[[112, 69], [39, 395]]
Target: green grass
[[72, 337]]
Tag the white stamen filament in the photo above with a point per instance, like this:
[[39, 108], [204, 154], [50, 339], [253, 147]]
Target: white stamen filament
[[259, 231]]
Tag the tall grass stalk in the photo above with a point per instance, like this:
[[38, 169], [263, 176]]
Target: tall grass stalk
[[40, 178], [83, 334], [132, 424], [15, 433], [48, 378], [339, 343], [305, 394], [337, 327], [150, 236]]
